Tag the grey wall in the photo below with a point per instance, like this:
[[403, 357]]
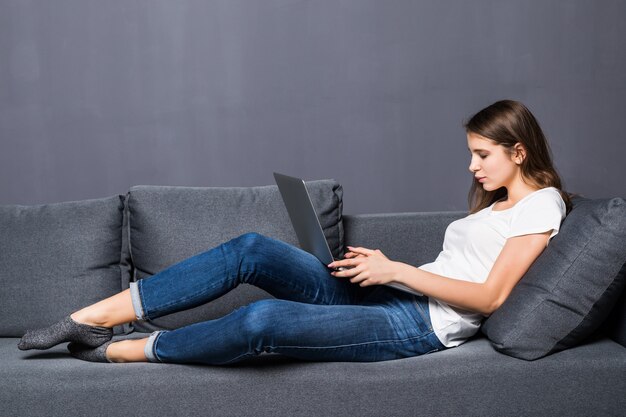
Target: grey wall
[[96, 96]]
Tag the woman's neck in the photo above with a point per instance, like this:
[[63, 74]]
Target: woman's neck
[[516, 192]]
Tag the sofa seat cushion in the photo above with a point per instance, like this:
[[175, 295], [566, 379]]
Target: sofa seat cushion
[[57, 258], [570, 289], [170, 224], [472, 379]]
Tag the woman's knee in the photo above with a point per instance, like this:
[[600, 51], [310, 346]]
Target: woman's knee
[[252, 248], [249, 241], [260, 318]]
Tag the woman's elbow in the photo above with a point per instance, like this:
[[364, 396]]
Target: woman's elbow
[[495, 304], [490, 309], [485, 308]]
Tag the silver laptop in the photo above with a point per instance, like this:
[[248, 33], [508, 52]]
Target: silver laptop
[[306, 223], [303, 218]]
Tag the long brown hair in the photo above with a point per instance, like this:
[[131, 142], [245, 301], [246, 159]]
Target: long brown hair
[[506, 123]]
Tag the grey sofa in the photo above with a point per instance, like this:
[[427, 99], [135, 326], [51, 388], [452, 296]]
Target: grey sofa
[[57, 258]]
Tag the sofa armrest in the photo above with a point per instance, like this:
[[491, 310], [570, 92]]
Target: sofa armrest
[[412, 238]]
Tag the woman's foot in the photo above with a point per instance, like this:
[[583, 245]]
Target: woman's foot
[[130, 350], [81, 317], [86, 353], [90, 326], [66, 330]]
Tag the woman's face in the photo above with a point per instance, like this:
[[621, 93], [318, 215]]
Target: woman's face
[[491, 162]]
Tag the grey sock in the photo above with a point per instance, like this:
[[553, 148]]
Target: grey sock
[[87, 353], [66, 330]]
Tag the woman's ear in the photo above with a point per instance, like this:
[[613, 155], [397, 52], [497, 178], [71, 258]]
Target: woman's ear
[[520, 153]]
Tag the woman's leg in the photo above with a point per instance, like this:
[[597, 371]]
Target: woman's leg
[[130, 350], [363, 333], [109, 312], [284, 271]]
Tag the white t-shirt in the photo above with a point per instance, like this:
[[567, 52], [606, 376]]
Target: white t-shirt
[[471, 246]]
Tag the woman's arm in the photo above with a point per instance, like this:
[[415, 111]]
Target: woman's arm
[[517, 255]]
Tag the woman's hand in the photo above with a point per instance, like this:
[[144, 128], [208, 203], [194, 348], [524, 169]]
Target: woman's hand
[[370, 267]]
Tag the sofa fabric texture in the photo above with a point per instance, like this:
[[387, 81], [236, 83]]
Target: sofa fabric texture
[[469, 380], [57, 258], [169, 224], [571, 288]]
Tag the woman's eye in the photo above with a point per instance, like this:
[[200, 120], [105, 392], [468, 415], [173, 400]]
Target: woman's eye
[[482, 156]]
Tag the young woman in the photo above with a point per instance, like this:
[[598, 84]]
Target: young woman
[[516, 206]]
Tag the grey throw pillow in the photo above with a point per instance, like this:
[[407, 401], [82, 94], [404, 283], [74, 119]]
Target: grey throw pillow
[[570, 289], [169, 224], [56, 259], [615, 324]]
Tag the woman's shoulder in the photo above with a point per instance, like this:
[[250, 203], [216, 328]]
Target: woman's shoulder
[[547, 193], [544, 198]]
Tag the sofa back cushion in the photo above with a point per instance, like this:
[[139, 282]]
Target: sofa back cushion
[[169, 224], [570, 289], [56, 259]]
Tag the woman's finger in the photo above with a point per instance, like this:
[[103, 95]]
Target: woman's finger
[[337, 264], [364, 251], [347, 273], [357, 278], [357, 260]]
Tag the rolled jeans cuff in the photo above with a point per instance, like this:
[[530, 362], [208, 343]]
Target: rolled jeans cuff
[[149, 350], [136, 300]]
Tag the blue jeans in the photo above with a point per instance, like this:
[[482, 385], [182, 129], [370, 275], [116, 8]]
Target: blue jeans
[[314, 316]]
